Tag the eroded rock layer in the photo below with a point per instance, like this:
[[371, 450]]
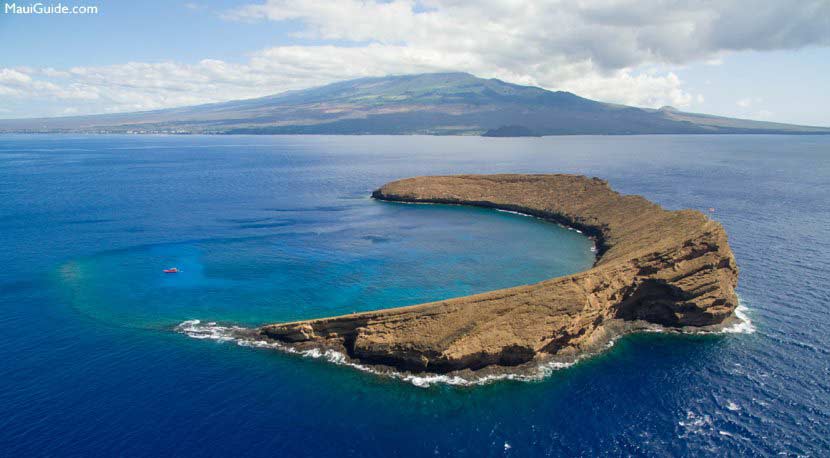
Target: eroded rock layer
[[672, 268]]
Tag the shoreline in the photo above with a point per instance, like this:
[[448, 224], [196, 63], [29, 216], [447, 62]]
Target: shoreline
[[512, 212], [653, 267], [535, 371]]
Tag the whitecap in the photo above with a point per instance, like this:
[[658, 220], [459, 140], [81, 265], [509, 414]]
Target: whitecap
[[695, 424]]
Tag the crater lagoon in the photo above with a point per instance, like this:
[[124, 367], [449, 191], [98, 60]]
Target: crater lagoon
[[276, 228]]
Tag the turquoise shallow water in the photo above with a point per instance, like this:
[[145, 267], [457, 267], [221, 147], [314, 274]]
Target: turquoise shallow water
[[279, 228], [360, 255]]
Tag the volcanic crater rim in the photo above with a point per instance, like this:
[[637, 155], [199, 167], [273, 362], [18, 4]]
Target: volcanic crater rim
[[652, 267]]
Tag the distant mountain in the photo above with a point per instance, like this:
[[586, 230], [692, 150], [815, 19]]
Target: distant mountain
[[434, 104]]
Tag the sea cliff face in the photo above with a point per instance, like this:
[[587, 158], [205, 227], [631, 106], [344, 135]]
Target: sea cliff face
[[654, 266]]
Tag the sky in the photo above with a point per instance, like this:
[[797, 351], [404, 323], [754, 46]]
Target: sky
[[756, 59]]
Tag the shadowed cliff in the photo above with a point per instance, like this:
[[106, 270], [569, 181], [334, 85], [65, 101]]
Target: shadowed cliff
[[654, 266]]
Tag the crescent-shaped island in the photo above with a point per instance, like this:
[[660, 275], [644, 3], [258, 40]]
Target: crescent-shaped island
[[653, 267]]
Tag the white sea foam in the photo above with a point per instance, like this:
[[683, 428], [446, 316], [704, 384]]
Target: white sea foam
[[210, 330], [516, 213], [744, 324], [695, 424], [593, 247], [245, 338]]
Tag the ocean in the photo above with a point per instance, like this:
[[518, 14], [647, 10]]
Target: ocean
[[103, 354]]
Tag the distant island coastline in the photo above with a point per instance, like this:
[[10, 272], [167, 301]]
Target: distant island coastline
[[423, 104], [654, 267]]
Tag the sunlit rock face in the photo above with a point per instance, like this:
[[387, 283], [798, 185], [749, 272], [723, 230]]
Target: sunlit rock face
[[653, 267]]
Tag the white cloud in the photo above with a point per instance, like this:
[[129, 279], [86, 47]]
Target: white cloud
[[145, 86], [749, 101], [763, 114], [624, 87], [11, 77], [752, 108], [612, 34], [622, 51]]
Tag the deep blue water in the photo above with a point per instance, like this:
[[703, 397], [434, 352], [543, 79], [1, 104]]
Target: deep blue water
[[279, 228]]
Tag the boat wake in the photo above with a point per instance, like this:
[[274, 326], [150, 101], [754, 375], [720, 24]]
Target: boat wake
[[244, 337]]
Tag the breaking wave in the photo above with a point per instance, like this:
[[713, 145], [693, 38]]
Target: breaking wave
[[744, 324], [245, 338]]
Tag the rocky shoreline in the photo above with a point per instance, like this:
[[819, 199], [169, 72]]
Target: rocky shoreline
[[654, 267]]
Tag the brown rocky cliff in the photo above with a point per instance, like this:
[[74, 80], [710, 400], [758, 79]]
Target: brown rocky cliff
[[672, 268]]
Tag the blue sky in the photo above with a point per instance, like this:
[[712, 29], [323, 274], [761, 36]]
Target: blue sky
[[759, 60]]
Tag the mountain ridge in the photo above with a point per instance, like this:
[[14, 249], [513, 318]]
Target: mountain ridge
[[430, 103]]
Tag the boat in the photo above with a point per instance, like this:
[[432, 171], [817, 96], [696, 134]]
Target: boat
[[172, 270]]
